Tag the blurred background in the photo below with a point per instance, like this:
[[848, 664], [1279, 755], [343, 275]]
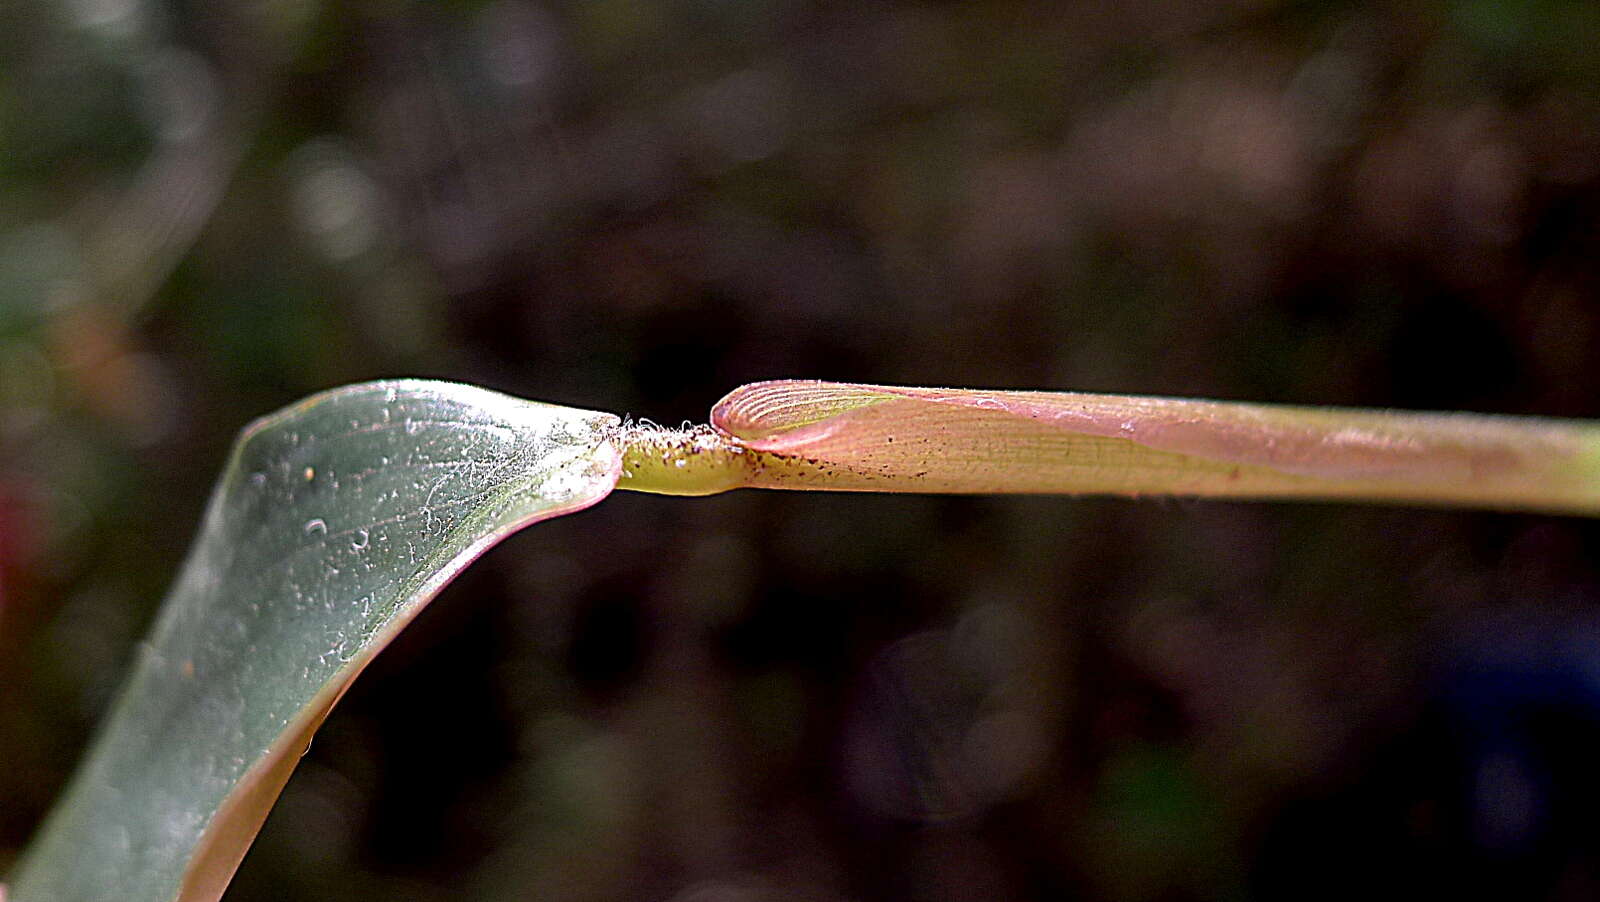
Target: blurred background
[[209, 210]]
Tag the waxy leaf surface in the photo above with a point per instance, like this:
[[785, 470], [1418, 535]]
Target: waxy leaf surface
[[334, 523]]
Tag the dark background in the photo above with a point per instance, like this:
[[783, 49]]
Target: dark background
[[209, 210]]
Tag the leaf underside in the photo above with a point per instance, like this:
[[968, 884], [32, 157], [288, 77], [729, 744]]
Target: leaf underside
[[334, 523]]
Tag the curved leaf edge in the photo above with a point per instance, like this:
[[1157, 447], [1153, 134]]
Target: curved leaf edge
[[232, 825], [233, 828]]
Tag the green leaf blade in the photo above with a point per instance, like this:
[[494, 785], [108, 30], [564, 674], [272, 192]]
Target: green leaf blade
[[334, 523]]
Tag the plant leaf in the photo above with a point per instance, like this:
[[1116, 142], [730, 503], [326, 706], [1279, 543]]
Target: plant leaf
[[334, 523], [827, 435]]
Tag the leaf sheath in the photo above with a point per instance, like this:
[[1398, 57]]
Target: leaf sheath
[[843, 437]]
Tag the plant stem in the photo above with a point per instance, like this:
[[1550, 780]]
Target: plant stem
[[831, 436]]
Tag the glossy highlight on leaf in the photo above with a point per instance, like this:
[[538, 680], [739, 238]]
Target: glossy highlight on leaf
[[333, 524]]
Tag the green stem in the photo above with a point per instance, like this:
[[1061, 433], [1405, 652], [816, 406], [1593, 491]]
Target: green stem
[[697, 460]]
